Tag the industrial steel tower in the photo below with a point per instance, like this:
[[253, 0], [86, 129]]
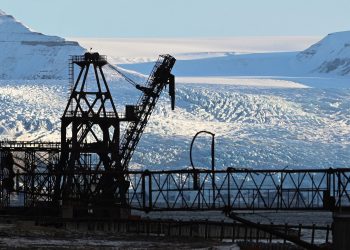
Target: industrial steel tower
[[91, 176], [89, 141]]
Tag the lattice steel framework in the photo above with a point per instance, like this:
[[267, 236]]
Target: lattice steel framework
[[89, 166], [234, 189], [159, 78], [89, 140], [33, 166], [93, 161], [240, 189]]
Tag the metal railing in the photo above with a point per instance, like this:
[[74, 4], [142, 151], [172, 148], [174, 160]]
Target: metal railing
[[188, 189], [240, 189], [20, 145]]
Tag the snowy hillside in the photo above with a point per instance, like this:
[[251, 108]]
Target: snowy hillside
[[330, 55], [26, 54]]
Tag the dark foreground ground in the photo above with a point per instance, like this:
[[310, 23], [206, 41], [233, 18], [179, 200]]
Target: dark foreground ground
[[24, 235], [21, 234]]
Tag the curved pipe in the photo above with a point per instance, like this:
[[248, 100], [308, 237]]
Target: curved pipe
[[212, 148]]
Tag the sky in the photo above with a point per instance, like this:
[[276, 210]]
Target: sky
[[181, 18]]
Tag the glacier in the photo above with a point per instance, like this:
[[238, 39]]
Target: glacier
[[268, 110], [258, 128]]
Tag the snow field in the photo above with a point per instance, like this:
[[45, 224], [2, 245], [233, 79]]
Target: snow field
[[254, 127]]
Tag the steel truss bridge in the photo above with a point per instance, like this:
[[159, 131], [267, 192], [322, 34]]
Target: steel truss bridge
[[184, 189]]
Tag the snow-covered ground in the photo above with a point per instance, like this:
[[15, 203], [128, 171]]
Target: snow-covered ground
[[136, 50], [254, 127], [268, 108]]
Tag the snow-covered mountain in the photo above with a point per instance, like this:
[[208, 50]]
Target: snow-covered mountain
[[330, 55], [258, 121], [25, 54]]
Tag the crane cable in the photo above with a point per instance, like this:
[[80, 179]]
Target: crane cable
[[148, 91], [129, 80]]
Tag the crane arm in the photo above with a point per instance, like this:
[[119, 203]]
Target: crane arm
[[157, 81]]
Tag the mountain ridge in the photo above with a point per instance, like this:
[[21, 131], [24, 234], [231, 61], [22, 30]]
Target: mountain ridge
[[27, 54], [330, 55]]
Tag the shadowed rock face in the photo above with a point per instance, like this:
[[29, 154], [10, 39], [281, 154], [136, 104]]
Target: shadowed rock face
[[50, 43], [340, 65]]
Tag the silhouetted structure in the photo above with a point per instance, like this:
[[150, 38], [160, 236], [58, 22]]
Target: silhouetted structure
[[89, 142], [90, 136], [87, 174]]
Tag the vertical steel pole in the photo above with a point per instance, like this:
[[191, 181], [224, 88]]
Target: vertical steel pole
[[213, 166], [150, 192], [228, 189], [143, 190]]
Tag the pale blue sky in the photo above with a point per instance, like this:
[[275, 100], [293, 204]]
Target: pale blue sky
[[181, 18]]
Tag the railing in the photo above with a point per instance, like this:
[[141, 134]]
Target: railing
[[91, 114], [82, 58], [240, 189], [20, 145], [189, 189]]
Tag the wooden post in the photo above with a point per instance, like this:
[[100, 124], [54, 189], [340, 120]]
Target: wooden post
[[206, 229], [270, 233], [180, 227], [222, 230], [299, 232], [285, 232], [147, 227], [250, 234], [159, 228], [191, 233], [233, 231], [239, 230], [257, 233]]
